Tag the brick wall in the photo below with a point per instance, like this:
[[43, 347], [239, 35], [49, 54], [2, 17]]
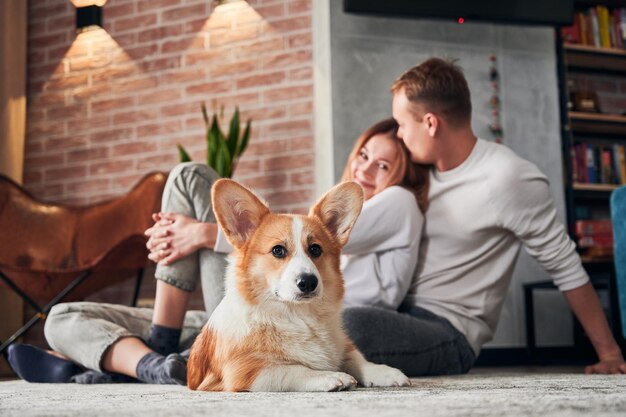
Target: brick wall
[[106, 107]]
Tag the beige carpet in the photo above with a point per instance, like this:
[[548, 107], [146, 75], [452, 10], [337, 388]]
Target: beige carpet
[[487, 392]]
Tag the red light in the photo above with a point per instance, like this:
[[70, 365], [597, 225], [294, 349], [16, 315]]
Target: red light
[[461, 20]]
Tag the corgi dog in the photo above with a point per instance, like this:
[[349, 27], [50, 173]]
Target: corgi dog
[[278, 327]]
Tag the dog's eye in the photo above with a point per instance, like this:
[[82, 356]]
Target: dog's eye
[[315, 250], [279, 251]]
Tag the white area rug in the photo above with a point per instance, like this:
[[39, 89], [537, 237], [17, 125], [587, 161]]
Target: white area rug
[[482, 393]]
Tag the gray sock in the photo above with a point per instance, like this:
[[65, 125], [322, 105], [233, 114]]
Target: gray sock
[[95, 377], [155, 368], [163, 339]]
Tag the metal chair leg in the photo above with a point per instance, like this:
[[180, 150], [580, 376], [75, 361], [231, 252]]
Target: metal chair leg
[[41, 312], [137, 287]]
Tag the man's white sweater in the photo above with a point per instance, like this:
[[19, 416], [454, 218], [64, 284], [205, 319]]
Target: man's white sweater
[[480, 214]]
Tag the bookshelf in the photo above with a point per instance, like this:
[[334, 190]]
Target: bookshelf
[[594, 135]]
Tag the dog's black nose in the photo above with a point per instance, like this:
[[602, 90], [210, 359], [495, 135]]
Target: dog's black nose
[[307, 283]]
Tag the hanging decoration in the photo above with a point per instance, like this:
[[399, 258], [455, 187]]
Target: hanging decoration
[[494, 77]]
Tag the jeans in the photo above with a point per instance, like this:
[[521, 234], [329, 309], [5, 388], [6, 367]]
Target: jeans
[[83, 331], [414, 340]]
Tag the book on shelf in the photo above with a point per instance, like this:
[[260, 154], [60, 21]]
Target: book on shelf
[[596, 241], [593, 227], [598, 26], [603, 164]]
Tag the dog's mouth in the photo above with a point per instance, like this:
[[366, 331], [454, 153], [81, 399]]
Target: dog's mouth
[[297, 298]]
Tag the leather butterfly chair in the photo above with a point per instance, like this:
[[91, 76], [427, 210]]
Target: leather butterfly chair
[[51, 252]]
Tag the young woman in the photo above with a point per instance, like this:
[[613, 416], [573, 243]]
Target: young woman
[[378, 266]]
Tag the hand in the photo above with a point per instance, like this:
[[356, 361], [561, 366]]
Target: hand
[[608, 365], [172, 237]]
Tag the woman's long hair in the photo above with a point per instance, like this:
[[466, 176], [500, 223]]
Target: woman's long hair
[[414, 177]]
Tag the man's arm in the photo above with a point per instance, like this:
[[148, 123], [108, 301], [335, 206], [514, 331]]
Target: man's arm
[[586, 306]]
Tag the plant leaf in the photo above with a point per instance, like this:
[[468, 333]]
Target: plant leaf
[[223, 161], [205, 115], [233, 133], [244, 139], [182, 153], [213, 142]]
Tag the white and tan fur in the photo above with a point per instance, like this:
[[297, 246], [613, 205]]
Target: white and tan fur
[[269, 334]]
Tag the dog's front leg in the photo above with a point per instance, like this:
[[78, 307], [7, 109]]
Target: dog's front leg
[[370, 374], [301, 378]]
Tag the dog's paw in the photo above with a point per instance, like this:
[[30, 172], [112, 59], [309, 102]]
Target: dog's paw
[[331, 381], [374, 375]]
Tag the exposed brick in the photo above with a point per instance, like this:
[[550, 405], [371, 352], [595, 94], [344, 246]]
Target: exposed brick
[[159, 129], [183, 76], [161, 32], [267, 182], [44, 160], [298, 109], [291, 127], [227, 69], [66, 173], [288, 59], [292, 24], [302, 178], [269, 12], [109, 167], [160, 64], [68, 112], [133, 148], [289, 197], [210, 88], [299, 40], [135, 21], [288, 93], [86, 155], [112, 135], [181, 13], [265, 45], [280, 163], [157, 162], [67, 142], [135, 116], [88, 185], [117, 9], [45, 129], [163, 96], [301, 6], [148, 5], [181, 45], [260, 80], [112, 104], [229, 36]]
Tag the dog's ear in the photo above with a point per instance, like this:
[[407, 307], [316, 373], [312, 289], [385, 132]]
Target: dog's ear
[[339, 208], [237, 209]]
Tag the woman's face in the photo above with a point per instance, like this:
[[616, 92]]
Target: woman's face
[[370, 168]]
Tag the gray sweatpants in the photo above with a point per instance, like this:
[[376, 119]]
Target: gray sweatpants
[[414, 340], [83, 331]]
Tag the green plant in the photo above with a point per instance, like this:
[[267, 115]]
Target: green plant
[[223, 151]]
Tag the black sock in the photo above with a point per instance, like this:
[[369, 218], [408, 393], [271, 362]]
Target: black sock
[[164, 340], [154, 368], [95, 377], [36, 365]]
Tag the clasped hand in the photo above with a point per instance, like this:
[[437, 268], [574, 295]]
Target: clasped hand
[[172, 237]]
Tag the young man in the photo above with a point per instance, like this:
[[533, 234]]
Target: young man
[[485, 202]]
